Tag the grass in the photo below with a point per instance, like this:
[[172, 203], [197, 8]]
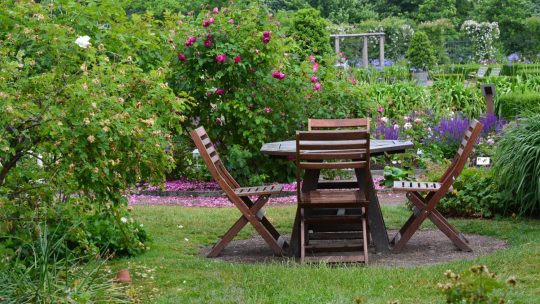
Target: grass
[[173, 272]]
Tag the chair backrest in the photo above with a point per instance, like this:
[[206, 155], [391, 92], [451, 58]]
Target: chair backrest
[[465, 148], [495, 72], [211, 157], [481, 71], [321, 124], [335, 149]]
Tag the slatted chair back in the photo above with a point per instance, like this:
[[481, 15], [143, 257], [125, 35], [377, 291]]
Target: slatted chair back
[[495, 72], [348, 123], [211, 157], [481, 72], [465, 149], [336, 149]]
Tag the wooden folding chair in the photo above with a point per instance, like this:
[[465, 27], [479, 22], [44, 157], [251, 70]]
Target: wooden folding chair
[[341, 149], [252, 211], [424, 207]]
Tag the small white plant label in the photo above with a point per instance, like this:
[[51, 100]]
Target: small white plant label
[[482, 161]]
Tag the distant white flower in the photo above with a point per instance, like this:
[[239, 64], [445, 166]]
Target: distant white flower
[[407, 125], [406, 118], [141, 225], [83, 41], [490, 141], [186, 239], [396, 127], [419, 152], [417, 120], [123, 220], [384, 119]]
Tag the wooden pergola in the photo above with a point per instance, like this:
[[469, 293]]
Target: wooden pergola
[[365, 37]]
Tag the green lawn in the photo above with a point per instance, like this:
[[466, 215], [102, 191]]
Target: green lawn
[[172, 272]]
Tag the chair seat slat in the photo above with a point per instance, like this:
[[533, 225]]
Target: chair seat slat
[[417, 186]]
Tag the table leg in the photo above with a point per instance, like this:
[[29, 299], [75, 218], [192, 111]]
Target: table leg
[[377, 228], [311, 178]]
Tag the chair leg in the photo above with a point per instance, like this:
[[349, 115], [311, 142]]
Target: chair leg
[[261, 225], [448, 230], [302, 236], [440, 221], [409, 231], [227, 237], [405, 227], [365, 235]]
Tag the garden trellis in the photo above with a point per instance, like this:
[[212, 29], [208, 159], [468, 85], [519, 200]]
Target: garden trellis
[[365, 37]]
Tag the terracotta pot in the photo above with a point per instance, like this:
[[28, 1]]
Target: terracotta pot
[[123, 276]]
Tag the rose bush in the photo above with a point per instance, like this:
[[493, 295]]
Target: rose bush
[[250, 86]]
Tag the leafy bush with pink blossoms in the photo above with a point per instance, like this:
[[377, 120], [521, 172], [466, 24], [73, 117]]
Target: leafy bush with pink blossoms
[[250, 86]]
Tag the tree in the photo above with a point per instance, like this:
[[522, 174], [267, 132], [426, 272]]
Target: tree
[[437, 9], [345, 11], [309, 30], [421, 54]]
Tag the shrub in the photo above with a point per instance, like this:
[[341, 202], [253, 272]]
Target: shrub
[[476, 194], [252, 88], [476, 285], [81, 125], [517, 165], [517, 103], [420, 53], [482, 36], [309, 31]]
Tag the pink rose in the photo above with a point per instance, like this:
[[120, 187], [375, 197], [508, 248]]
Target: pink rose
[[380, 109], [206, 23], [278, 75], [220, 91], [231, 21], [312, 58], [215, 10], [317, 86], [181, 56], [315, 67], [190, 41], [211, 20], [208, 41], [267, 110], [353, 80], [314, 79], [221, 58], [237, 59], [266, 37]]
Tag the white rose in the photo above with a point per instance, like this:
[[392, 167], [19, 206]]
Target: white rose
[[83, 41], [123, 220]]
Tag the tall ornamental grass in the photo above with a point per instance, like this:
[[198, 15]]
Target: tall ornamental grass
[[517, 165]]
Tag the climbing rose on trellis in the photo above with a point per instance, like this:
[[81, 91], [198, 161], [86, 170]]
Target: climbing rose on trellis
[[483, 36]]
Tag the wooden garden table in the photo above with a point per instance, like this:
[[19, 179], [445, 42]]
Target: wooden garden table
[[377, 227]]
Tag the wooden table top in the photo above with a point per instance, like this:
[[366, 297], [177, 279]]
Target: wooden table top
[[377, 147]]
